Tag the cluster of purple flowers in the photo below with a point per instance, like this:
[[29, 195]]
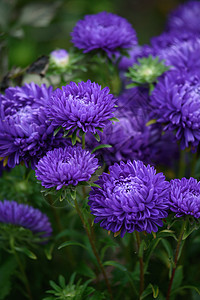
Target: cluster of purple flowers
[[26, 133]]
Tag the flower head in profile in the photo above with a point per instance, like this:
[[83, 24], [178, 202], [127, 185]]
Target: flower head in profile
[[105, 31], [84, 106], [176, 103], [25, 216], [185, 197], [66, 166], [185, 17], [26, 133], [132, 197]]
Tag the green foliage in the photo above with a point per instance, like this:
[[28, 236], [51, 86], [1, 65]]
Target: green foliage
[[7, 269]]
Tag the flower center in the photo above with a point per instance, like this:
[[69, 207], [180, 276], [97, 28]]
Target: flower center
[[125, 185]]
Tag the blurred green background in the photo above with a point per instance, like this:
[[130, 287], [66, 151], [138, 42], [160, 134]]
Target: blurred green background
[[32, 28]]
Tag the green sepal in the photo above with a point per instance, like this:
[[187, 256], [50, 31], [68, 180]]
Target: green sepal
[[74, 137], [71, 243], [114, 119], [26, 251]]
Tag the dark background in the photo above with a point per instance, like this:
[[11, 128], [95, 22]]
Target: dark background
[[32, 28]]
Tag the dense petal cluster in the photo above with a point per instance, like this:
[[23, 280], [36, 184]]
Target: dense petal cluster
[[132, 197], [185, 197], [65, 166], [26, 134], [105, 31], [176, 101], [26, 216], [82, 106], [185, 17]]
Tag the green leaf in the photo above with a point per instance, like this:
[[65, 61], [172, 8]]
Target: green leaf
[[74, 137], [97, 137], [178, 278], [26, 251], [57, 130], [101, 147], [48, 251], [66, 132], [94, 185], [153, 121], [7, 269], [191, 287], [114, 119], [71, 243], [116, 265], [151, 289]]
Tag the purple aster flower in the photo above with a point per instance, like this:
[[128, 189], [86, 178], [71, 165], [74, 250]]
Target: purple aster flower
[[105, 31], [132, 197], [62, 167], [185, 197], [82, 106], [185, 17], [26, 216], [26, 133], [176, 102], [59, 58], [183, 56]]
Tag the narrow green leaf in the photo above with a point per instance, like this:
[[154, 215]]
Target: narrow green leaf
[[97, 137], [74, 137], [71, 243], [186, 287], [56, 131], [153, 121], [114, 119], [116, 265], [101, 147], [155, 290], [178, 278], [66, 132], [26, 251], [94, 185]]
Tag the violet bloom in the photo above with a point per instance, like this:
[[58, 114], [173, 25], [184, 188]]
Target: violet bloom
[[26, 133], [59, 58], [104, 31], [176, 102], [132, 197], [62, 167], [185, 197], [82, 106], [183, 56], [185, 17], [26, 216]]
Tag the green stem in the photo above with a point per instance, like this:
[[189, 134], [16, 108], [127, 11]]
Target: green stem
[[93, 248], [21, 267], [83, 141], [176, 258], [137, 235]]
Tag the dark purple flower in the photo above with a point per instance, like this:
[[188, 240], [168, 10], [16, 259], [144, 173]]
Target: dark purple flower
[[62, 167], [183, 56], [26, 216], [185, 17], [26, 133], [59, 58], [82, 106], [105, 31], [176, 101], [185, 197], [131, 138], [132, 197]]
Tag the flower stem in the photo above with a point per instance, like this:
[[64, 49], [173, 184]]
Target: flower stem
[[83, 141], [176, 258], [137, 235], [21, 267], [93, 248]]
